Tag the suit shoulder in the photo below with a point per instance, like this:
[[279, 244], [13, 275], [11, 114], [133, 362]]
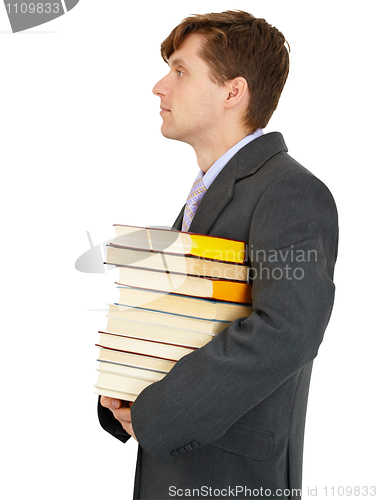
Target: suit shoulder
[[297, 198], [284, 174]]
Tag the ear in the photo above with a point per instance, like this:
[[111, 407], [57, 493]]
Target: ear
[[236, 92]]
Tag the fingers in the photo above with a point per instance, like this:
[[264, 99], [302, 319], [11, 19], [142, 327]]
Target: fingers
[[121, 411], [123, 415], [119, 408], [129, 429], [112, 403]]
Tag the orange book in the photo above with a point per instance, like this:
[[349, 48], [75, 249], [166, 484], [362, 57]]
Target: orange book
[[214, 310], [179, 242]]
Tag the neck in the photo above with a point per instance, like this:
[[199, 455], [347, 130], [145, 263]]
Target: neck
[[208, 152]]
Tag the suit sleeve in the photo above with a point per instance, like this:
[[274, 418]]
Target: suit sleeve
[[293, 241], [110, 424]]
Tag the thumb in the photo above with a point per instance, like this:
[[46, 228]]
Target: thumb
[[116, 403]]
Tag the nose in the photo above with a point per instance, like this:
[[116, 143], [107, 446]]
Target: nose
[[160, 88]]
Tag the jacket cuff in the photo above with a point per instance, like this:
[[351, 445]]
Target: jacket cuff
[[162, 447], [111, 424]]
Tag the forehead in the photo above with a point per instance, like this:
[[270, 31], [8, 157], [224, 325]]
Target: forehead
[[188, 53]]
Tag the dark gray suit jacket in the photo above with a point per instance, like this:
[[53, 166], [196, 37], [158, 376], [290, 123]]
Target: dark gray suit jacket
[[232, 413]]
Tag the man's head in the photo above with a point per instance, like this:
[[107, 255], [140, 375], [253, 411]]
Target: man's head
[[236, 44], [197, 110]]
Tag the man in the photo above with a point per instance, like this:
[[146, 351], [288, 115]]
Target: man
[[228, 420]]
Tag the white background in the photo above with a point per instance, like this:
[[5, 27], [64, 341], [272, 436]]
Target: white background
[[81, 150]]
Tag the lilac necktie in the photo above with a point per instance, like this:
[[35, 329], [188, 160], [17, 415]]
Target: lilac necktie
[[194, 198]]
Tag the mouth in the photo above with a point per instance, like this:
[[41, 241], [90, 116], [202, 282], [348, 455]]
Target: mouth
[[164, 111]]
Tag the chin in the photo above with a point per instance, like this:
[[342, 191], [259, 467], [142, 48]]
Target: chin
[[169, 134]]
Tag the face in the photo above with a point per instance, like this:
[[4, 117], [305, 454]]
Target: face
[[191, 103]]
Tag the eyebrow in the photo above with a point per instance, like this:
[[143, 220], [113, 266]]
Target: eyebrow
[[176, 62]]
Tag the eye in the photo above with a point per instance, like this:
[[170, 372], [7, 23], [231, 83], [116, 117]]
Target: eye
[[179, 72]]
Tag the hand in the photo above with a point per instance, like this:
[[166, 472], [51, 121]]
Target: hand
[[121, 411]]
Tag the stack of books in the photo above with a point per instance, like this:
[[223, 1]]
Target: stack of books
[[177, 291]]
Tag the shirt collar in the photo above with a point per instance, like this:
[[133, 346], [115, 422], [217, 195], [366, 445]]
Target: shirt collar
[[217, 166]]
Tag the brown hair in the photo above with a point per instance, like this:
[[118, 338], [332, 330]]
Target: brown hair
[[238, 44]]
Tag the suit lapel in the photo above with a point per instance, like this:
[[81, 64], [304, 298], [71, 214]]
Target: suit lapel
[[215, 200], [244, 164], [255, 154]]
